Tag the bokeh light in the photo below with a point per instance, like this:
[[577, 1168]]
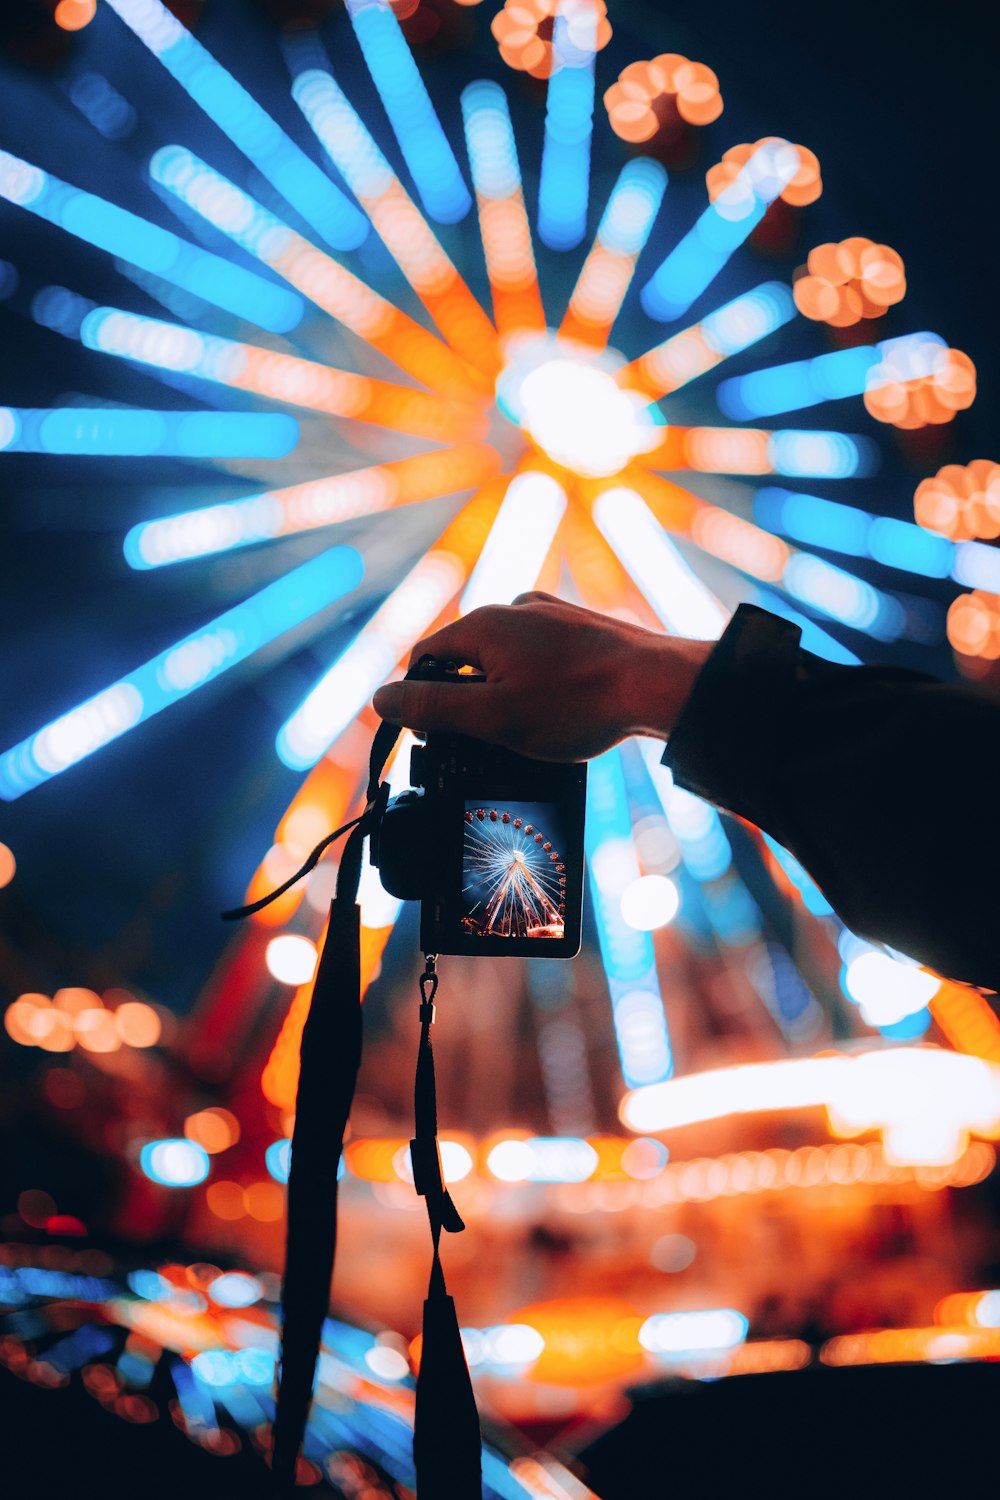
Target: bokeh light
[[291, 958], [847, 280]]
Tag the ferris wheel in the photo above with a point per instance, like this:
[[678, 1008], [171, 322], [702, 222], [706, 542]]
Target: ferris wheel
[[516, 880]]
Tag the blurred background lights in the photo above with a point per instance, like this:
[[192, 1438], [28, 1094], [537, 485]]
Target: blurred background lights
[[650, 902], [235, 1289], [8, 865], [582, 420], [174, 1163], [387, 1363], [886, 990], [278, 1159], [673, 1253], [676, 1335], [73, 15], [843, 282], [214, 1129], [291, 958]]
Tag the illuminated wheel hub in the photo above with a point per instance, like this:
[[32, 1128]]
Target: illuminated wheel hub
[[565, 399]]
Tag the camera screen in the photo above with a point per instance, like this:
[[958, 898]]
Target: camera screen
[[513, 871]]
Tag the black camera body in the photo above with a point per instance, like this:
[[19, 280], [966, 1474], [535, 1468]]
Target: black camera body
[[489, 842]]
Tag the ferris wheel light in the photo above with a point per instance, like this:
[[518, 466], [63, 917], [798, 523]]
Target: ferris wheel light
[[684, 604], [650, 902], [518, 543], [578, 415], [237, 113], [417, 128], [564, 183], [149, 246]]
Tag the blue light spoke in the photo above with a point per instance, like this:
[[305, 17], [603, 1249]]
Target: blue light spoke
[[148, 246], [238, 115], [821, 455], [413, 118], [856, 533], [180, 670], [628, 956], [565, 175], [805, 382], [697, 259], [93, 431]]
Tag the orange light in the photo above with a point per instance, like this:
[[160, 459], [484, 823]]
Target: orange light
[[352, 302], [647, 93], [587, 1340], [74, 15], [264, 1201], [727, 450], [213, 1129], [340, 393], [374, 1160], [225, 1200], [967, 1020], [912, 1346], [974, 625], [962, 501], [847, 280], [417, 251], [138, 1024], [928, 388], [510, 264], [805, 187], [519, 29], [739, 543], [766, 1355], [8, 866], [95, 1030]]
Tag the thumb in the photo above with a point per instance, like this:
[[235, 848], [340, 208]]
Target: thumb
[[461, 708]]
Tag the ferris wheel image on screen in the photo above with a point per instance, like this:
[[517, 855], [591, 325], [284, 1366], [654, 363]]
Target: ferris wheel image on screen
[[514, 879]]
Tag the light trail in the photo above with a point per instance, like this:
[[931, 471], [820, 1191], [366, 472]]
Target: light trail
[[181, 669], [621, 235], [503, 219], [697, 259], [148, 246], [412, 116], [311, 271], [398, 221], [513, 554], [279, 377], [629, 960], [304, 507], [674, 592], [238, 115], [735, 326], [414, 607], [564, 183], [89, 431], [793, 452]]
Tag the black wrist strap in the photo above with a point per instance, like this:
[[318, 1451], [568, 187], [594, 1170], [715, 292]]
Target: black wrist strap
[[446, 1439], [446, 1436]]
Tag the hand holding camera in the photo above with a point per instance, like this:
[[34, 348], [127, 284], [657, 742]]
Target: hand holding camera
[[561, 683]]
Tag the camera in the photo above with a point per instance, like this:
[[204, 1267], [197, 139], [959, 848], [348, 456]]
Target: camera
[[489, 842]]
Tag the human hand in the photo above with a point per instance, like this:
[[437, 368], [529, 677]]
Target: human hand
[[562, 683]]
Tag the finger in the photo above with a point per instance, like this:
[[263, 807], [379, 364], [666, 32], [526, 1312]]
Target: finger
[[461, 641], [438, 707], [536, 596]]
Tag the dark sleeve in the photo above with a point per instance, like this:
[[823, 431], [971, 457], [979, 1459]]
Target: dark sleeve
[[884, 783]]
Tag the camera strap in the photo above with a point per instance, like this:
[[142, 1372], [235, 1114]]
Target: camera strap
[[446, 1435]]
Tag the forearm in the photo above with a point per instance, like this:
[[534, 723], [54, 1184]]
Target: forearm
[[878, 780]]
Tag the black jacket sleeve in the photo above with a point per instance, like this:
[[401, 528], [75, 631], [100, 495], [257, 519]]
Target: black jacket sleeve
[[884, 783]]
